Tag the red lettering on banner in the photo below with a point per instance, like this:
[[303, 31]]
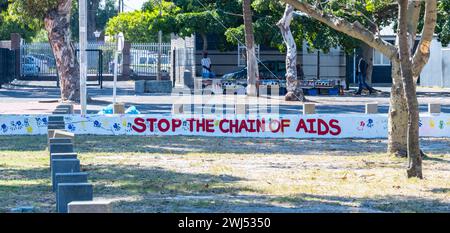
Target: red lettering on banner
[[302, 125], [261, 125], [277, 129], [321, 123], [140, 125], [285, 123], [163, 125], [176, 123], [151, 123], [210, 126], [335, 125], [252, 128], [311, 125], [191, 124], [222, 129]]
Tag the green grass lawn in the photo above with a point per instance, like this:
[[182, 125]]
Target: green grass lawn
[[200, 174]]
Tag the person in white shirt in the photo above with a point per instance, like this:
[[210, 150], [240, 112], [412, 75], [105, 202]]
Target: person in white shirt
[[206, 65]]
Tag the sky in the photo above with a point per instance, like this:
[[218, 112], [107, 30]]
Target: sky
[[131, 5]]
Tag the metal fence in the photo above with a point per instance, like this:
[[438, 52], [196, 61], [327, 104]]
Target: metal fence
[[37, 60], [144, 59], [7, 65]]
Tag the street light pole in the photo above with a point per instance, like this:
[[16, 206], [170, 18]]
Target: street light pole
[[83, 55], [159, 44]]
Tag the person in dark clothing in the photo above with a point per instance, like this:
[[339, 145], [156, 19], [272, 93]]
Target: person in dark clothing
[[362, 73]]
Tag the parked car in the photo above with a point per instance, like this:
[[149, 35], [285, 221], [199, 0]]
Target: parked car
[[271, 73], [31, 66], [145, 63]]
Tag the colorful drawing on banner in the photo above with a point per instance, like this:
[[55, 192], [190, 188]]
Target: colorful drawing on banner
[[4, 128], [420, 123], [370, 123], [29, 129], [116, 127], [441, 124], [71, 127], [431, 123], [361, 126]]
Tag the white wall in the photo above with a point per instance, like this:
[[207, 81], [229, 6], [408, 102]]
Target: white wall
[[432, 75]]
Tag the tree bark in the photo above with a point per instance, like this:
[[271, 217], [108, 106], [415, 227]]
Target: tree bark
[[398, 115], [414, 157], [294, 91], [205, 41], [92, 19], [252, 63], [57, 24]]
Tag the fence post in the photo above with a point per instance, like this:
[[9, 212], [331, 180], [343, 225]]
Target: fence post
[[15, 47], [126, 53]]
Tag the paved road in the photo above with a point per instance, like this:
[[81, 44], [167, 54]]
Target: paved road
[[24, 97]]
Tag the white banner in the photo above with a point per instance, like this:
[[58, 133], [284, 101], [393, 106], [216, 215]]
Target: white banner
[[267, 126]]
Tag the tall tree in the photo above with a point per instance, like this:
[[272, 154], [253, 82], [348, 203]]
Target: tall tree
[[294, 90], [411, 62], [252, 63], [55, 15]]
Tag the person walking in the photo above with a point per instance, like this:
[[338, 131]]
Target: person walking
[[362, 73], [206, 65]]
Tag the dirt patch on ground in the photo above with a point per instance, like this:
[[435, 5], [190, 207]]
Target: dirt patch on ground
[[201, 174]]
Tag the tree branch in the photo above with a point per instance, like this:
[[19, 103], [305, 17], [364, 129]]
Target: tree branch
[[355, 30], [422, 53]]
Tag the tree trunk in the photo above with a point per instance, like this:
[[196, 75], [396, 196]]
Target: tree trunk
[[414, 157], [252, 63], [294, 91], [57, 24], [93, 6], [398, 115], [205, 41]]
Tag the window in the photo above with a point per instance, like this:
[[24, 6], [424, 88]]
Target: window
[[379, 59]]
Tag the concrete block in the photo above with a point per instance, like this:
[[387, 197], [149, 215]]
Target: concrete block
[[139, 86], [158, 86], [60, 148], [68, 107], [62, 156], [309, 109], [63, 166], [63, 134], [240, 109], [69, 192], [434, 108], [119, 108], [56, 126], [55, 119], [60, 140], [177, 109], [96, 206], [74, 177], [372, 108]]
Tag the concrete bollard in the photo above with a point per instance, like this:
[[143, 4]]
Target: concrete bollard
[[240, 109], [60, 148], [74, 177], [68, 107], [434, 108], [63, 166], [119, 108], [139, 87], [372, 108], [55, 119], [309, 109], [62, 156], [69, 192], [63, 134], [96, 206], [60, 140], [177, 109]]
